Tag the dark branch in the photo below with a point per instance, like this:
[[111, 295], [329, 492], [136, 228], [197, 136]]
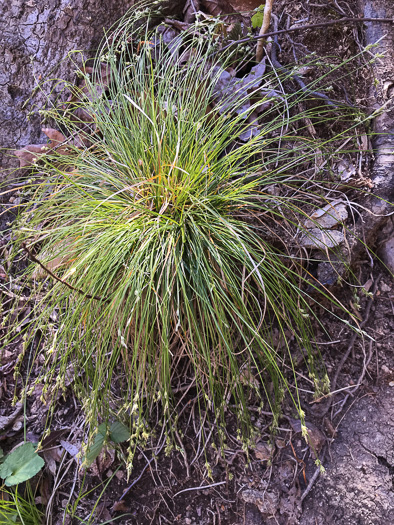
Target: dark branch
[[302, 28], [47, 270]]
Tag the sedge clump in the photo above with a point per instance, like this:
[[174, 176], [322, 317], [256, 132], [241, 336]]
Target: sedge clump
[[168, 228]]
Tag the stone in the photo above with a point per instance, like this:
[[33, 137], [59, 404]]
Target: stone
[[386, 253], [329, 216], [321, 239]]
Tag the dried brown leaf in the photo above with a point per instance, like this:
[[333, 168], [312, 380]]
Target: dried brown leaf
[[53, 437], [29, 154], [51, 457], [6, 421], [217, 7], [316, 438], [103, 462], [120, 506], [267, 502], [54, 136]]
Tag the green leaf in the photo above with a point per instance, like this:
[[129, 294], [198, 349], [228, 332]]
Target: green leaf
[[102, 429], [258, 17], [94, 451], [118, 432], [22, 464]]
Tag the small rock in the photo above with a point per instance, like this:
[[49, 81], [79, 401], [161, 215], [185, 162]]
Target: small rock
[[322, 239], [263, 451], [367, 285], [329, 216], [346, 170], [266, 502], [286, 471], [327, 273], [387, 254], [250, 132]]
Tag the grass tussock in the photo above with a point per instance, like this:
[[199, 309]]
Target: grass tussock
[[176, 239]]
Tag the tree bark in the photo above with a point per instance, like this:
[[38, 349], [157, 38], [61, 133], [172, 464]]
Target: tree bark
[[378, 205], [381, 96], [35, 38]]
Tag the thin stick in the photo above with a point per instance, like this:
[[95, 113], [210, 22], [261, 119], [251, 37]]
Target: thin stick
[[34, 258], [264, 27], [302, 28], [312, 480], [201, 488]]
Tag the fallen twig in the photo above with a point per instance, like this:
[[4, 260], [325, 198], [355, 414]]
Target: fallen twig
[[302, 28], [264, 27], [312, 480], [70, 286], [200, 488]]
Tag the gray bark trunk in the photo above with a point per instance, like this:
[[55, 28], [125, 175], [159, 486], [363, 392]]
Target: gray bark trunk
[[378, 205], [35, 38], [381, 95]]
